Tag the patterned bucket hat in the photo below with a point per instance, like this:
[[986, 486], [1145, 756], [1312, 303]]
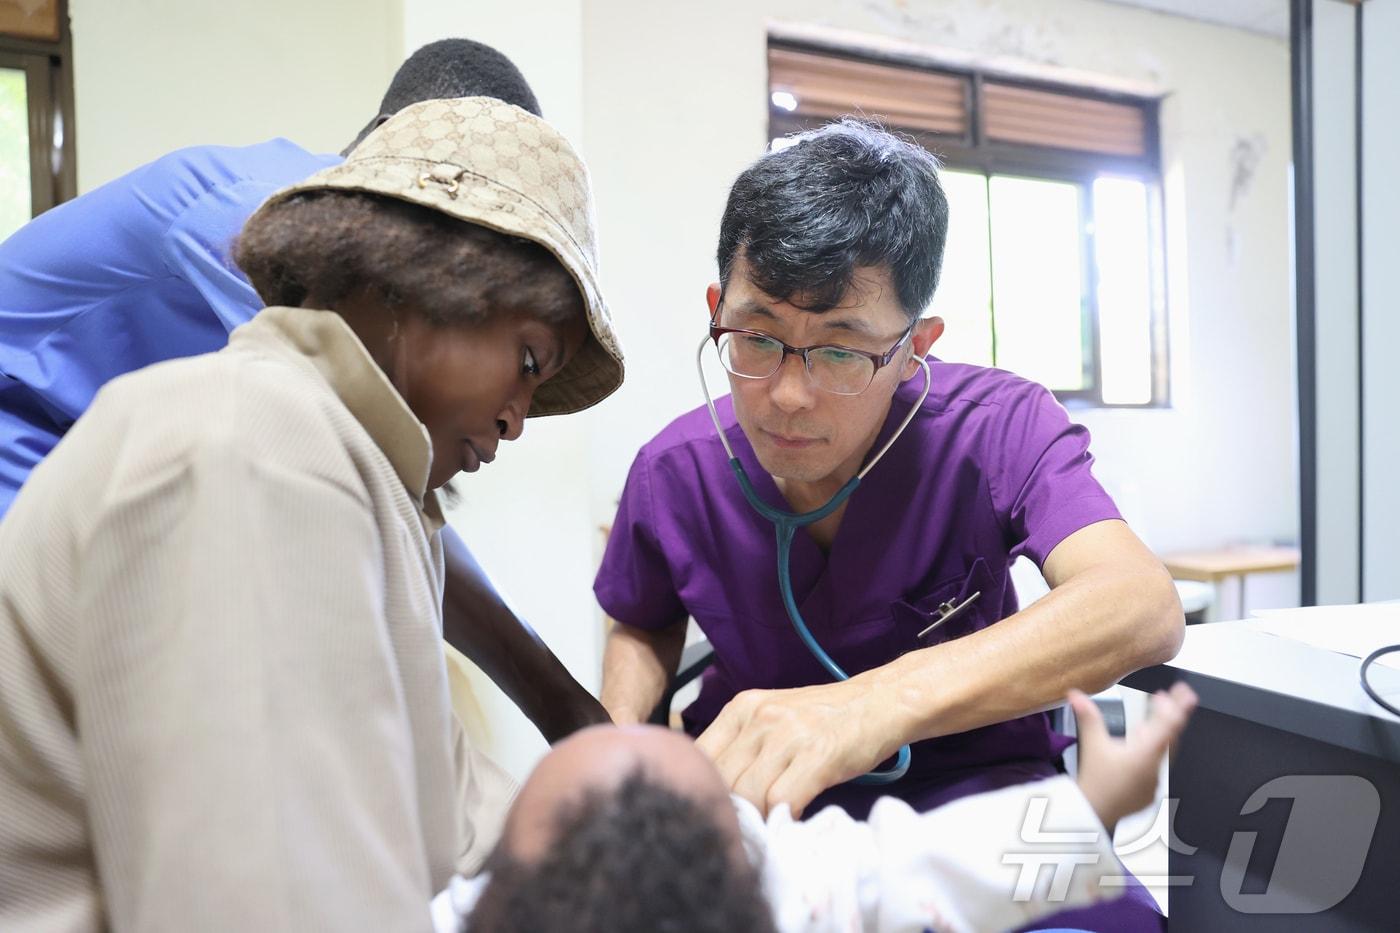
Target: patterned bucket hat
[[493, 164]]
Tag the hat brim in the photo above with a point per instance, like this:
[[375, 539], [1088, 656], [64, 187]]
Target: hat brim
[[596, 371]]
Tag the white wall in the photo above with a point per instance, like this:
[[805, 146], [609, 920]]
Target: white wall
[[1381, 297], [155, 75], [542, 37], [1336, 292], [1219, 467]]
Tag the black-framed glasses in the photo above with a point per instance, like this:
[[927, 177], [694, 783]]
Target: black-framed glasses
[[752, 354]]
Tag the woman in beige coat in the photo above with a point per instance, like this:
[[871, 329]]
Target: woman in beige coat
[[223, 702]]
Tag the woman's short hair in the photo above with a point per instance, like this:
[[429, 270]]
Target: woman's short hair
[[330, 245]]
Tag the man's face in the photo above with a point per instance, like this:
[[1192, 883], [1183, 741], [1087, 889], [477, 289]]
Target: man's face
[[800, 431]]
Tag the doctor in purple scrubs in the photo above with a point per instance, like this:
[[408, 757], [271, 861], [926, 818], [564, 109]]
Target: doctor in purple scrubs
[[829, 252]]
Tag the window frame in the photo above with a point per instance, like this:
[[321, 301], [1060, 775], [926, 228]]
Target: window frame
[[49, 87], [971, 151]]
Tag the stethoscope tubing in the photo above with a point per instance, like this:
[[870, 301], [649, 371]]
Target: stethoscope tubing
[[785, 525]]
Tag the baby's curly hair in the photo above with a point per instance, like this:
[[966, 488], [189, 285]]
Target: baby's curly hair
[[328, 245], [640, 858]]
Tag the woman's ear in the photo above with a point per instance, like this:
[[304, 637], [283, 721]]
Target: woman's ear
[[926, 333]]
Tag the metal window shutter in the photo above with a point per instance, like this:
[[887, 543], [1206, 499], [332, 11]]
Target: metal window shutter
[[1030, 116], [911, 98]]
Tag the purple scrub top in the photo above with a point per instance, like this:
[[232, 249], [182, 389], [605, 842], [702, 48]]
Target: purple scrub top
[[989, 469]]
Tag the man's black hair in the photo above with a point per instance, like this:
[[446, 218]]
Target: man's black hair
[[452, 68], [637, 859], [848, 195]]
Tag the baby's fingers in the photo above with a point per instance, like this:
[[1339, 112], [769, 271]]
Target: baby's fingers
[[1171, 710]]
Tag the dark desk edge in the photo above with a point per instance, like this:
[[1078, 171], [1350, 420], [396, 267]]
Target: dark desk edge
[[1375, 734]]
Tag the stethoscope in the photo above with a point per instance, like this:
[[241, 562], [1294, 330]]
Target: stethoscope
[[785, 525]]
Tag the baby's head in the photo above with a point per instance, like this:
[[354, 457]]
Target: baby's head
[[620, 830]]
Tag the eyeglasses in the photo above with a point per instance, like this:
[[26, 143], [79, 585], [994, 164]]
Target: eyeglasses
[[752, 354]]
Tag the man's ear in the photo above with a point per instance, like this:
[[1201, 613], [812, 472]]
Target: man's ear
[[926, 333], [712, 298]]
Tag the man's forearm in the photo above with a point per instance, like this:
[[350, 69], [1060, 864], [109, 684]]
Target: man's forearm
[[1086, 634], [480, 625], [637, 667]]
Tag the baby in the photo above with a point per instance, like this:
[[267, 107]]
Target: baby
[[631, 829]]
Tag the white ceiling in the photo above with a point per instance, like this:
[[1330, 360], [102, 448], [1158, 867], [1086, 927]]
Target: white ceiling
[[1269, 17]]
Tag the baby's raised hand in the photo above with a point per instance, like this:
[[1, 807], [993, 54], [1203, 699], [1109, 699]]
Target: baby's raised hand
[[1119, 776]]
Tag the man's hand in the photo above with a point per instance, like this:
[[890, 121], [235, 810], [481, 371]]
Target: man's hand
[[787, 746], [1119, 776]]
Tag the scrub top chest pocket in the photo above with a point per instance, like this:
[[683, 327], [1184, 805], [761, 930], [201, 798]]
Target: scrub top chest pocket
[[952, 609]]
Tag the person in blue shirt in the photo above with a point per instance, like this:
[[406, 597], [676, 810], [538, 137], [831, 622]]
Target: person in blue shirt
[[139, 271]]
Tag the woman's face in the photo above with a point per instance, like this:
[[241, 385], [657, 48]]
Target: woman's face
[[471, 385]]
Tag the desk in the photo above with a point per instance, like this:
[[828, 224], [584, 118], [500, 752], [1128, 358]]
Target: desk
[[1218, 565], [1274, 708]]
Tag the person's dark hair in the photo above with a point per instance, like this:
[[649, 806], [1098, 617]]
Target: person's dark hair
[[848, 195], [637, 859], [329, 245], [452, 68]]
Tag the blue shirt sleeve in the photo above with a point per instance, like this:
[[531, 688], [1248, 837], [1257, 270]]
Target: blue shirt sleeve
[[198, 248], [132, 273], [26, 437]]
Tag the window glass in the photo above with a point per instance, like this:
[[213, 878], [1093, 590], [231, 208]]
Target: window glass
[[1037, 274], [15, 199], [1124, 266], [964, 295]]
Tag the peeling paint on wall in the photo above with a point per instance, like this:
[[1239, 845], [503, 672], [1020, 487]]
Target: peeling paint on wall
[[977, 24], [1245, 156]]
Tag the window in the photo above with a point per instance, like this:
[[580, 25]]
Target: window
[[1054, 263], [36, 107]]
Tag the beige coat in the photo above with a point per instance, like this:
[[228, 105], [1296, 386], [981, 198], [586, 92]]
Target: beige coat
[[223, 704]]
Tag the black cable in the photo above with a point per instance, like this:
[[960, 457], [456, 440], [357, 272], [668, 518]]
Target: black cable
[[1366, 684]]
